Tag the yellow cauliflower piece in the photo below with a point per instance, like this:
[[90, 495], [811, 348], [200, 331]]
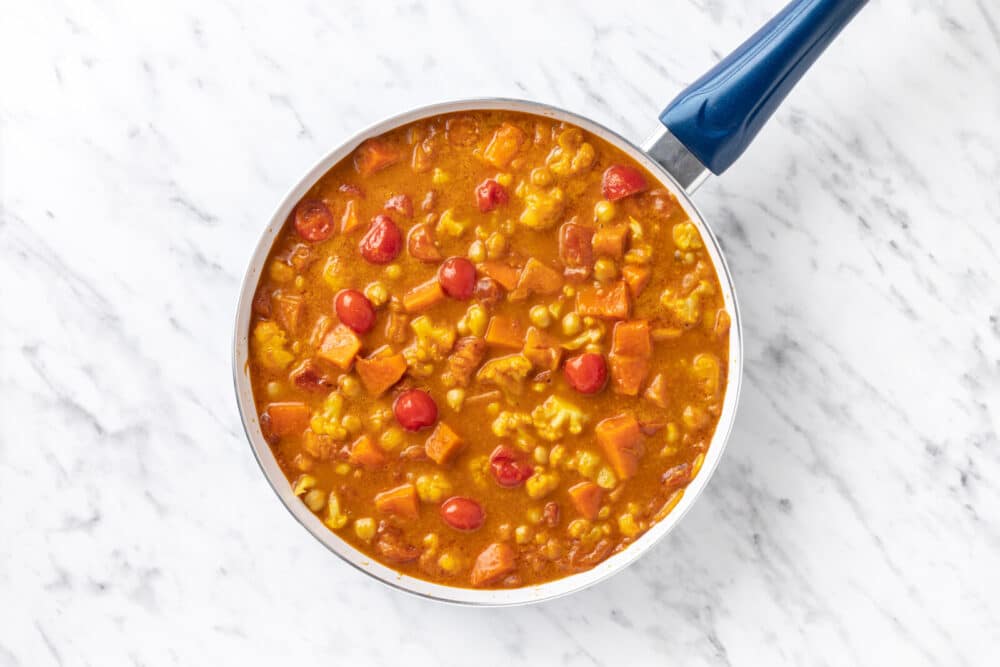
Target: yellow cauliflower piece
[[508, 373], [686, 309], [433, 341], [686, 236], [542, 208], [433, 488], [572, 154], [270, 346], [448, 226], [541, 484], [557, 416], [509, 423], [327, 419]]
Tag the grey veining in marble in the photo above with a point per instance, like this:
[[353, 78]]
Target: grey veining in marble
[[854, 520]]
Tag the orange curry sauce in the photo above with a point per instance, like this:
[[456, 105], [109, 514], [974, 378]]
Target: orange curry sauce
[[489, 349]]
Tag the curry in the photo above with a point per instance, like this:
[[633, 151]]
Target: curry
[[489, 349]]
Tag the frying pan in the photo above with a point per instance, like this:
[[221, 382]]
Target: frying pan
[[702, 131]]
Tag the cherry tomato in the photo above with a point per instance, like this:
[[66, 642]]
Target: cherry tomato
[[355, 310], [313, 220], [586, 372], [509, 467], [415, 409], [457, 276], [382, 242], [490, 194], [462, 513], [620, 181]]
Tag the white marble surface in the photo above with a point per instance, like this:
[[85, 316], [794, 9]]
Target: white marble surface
[[854, 519]]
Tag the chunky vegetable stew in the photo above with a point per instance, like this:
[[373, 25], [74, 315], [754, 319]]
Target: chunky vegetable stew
[[489, 349]]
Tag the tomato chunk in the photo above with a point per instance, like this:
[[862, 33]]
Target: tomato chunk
[[401, 204], [620, 181], [586, 372], [355, 310], [415, 409], [462, 513], [401, 501], [382, 242], [375, 155], [509, 468], [490, 194], [457, 276], [313, 220]]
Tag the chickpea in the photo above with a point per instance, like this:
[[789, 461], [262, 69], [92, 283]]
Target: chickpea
[[571, 324], [604, 211], [540, 316]]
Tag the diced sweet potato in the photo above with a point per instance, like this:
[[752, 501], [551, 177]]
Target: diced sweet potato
[[443, 444], [504, 274], [504, 145], [609, 241], [287, 418], [536, 278], [339, 346], [375, 155], [636, 277], [542, 349], [631, 349], [365, 452], [320, 329], [656, 392], [610, 301], [287, 309], [586, 498], [503, 331], [423, 296], [400, 501], [621, 440], [379, 373], [350, 220], [493, 563]]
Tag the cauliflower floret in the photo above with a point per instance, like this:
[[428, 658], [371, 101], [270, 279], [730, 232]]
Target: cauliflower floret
[[270, 346], [433, 488], [557, 416], [541, 484], [686, 236], [434, 340], [686, 309], [448, 226], [335, 519], [542, 208], [509, 423], [326, 420], [572, 154], [507, 372]]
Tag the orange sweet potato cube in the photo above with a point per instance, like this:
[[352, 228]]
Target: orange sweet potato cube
[[503, 331], [423, 296], [339, 346], [542, 349], [586, 498], [609, 241], [504, 274], [492, 564], [350, 220], [287, 418], [504, 145], [379, 373], [443, 444], [631, 348], [365, 452], [610, 301], [375, 155], [536, 278], [636, 277], [400, 501], [621, 440]]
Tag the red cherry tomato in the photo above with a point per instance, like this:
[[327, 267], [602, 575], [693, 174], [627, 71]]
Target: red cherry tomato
[[415, 409], [620, 181], [509, 467], [586, 372], [313, 220], [355, 310], [457, 276], [401, 204], [462, 513], [382, 242], [490, 194]]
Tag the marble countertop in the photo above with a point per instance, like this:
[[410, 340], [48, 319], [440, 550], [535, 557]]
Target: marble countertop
[[854, 519]]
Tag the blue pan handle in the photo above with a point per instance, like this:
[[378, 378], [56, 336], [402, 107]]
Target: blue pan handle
[[718, 115]]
